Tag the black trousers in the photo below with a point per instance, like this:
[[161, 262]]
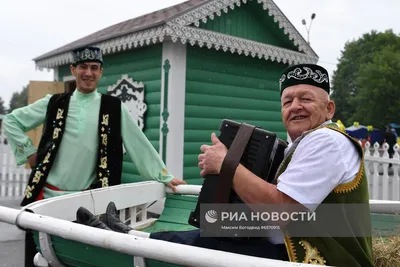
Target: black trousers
[[257, 247], [30, 249]]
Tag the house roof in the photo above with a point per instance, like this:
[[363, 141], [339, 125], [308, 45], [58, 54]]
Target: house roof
[[150, 20], [180, 22]]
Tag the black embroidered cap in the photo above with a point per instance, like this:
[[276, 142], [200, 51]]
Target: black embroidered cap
[[305, 74], [87, 54]]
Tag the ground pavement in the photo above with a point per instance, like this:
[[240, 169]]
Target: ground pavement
[[11, 240]]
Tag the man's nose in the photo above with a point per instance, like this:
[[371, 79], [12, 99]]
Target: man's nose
[[88, 72], [296, 104]]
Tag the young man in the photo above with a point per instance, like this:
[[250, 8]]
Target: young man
[[81, 145]]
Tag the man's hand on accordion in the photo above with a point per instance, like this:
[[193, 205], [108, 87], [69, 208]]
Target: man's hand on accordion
[[211, 160]]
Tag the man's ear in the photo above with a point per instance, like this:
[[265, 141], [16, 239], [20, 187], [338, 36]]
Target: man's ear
[[72, 68], [331, 109]]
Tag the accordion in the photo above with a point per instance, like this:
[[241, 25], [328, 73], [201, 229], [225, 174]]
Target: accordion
[[260, 151]]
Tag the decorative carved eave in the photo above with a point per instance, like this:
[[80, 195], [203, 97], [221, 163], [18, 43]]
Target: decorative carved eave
[[179, 28], [224, 42], [216, 7], [126, 42], [193, 36]]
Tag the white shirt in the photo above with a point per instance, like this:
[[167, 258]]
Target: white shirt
[[322, 160]]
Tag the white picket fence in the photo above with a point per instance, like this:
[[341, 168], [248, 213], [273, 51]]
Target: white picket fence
[[382, 171], [384, 180], [13, 178]]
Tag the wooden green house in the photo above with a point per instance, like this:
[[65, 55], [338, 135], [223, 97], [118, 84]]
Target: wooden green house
[[183, 69]]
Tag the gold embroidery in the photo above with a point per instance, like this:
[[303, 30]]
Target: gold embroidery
[[164, 172], [38, 175], [46, 159], [312, 254], [291, 250], [105, 119], [60, 114], [55, 133], [104, 182], [104, 136], [100, 174], [350, 186], [103, 163], [28, 191], [60, 123]]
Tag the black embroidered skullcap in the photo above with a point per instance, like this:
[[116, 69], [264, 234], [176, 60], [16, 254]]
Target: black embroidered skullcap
[[305, 74], [87, 54]]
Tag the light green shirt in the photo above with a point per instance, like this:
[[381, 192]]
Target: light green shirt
[[74, 166]]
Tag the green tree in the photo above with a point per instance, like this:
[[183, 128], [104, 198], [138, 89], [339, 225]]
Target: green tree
[[356, 53], [378, 100], [2, 108], [19, 99]]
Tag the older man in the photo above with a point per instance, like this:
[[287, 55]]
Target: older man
[[81, 145], [322, 165]]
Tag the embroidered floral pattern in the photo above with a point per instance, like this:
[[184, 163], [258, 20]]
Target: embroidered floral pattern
[[28, 191], [46, 159], [105, 120], [60, 114], [36, 178], [104, 182], [103, 163], [103, 170], [104, 139], [43, 166], [56, 133], [308, 73], [312, 255]]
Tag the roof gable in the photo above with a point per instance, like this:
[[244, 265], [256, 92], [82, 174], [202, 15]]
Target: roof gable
[[181, 22], [250, 21]]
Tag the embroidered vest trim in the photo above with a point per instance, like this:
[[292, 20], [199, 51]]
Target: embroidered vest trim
[[312, 254], [109, 167]]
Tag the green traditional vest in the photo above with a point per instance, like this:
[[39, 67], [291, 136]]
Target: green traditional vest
[[353, 251], [109, 157]]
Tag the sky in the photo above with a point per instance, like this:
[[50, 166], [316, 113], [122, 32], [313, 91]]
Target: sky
[[31, 28]]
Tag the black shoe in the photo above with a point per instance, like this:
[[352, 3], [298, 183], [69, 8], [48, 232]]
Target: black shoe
[[112, 220], [83, 216]]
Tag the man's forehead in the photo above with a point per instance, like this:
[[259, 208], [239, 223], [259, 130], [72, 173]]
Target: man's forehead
[[89, 64], [300, 89]]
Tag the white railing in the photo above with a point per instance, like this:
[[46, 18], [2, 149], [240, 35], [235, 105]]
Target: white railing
[[49, 219], [13, 178], [382, 171]]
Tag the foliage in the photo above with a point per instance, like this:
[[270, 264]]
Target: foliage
[[350, 80], [2, 108], [378, 100], [19, 99]]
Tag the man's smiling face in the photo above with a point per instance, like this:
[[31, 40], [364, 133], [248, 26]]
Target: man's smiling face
[[87, 76], [305, 107]]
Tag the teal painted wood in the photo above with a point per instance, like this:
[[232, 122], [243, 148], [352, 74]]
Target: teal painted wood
[[165, 113], [143, 65], [227, 86], [63, 71], [250, 21]]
